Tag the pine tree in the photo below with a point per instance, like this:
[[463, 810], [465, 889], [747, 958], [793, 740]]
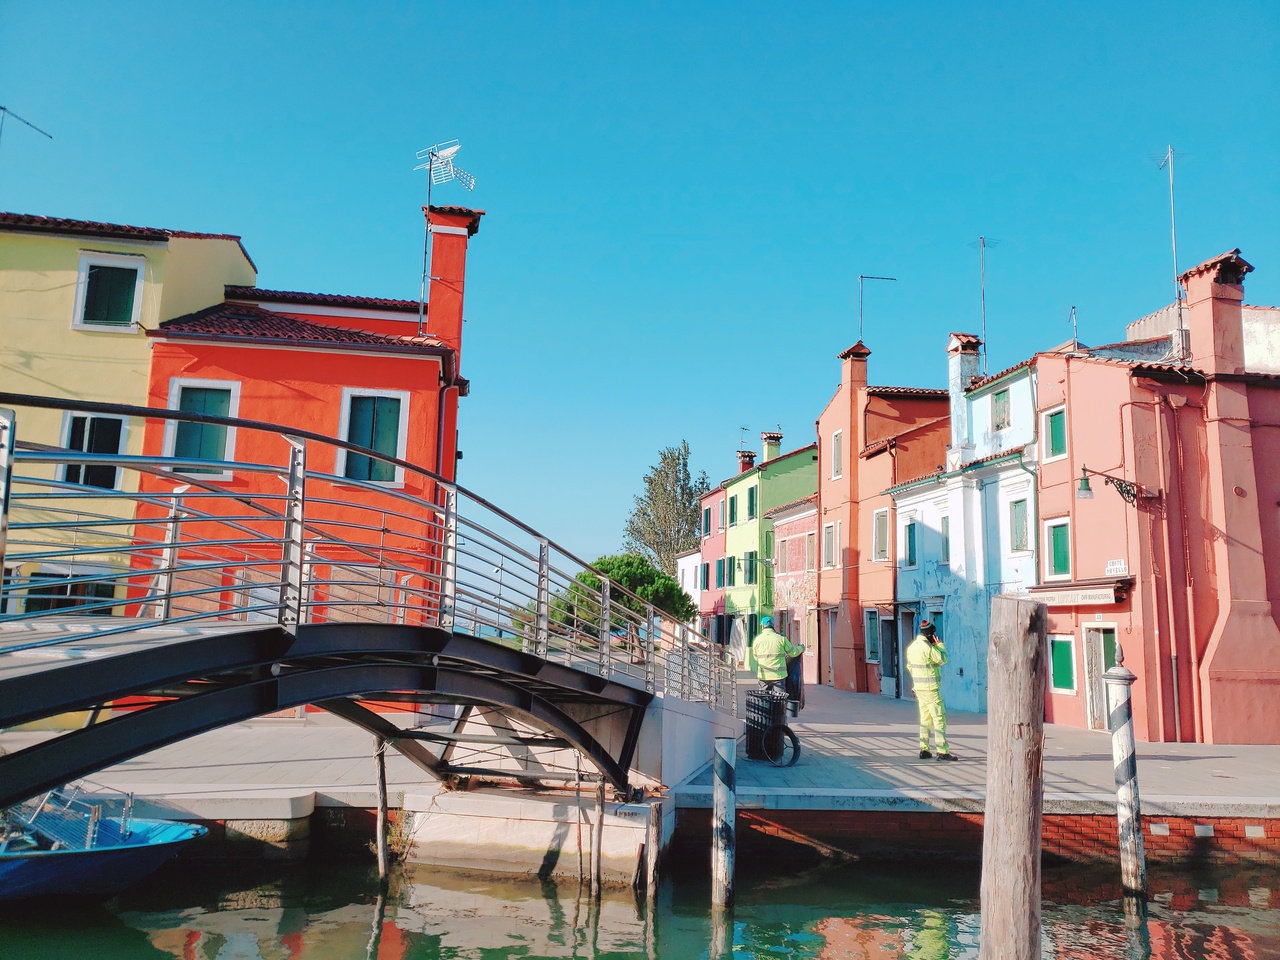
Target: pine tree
[[664, 522]]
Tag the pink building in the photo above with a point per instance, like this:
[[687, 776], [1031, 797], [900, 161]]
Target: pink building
[[711, 573], [795, 577], [1173, 551]]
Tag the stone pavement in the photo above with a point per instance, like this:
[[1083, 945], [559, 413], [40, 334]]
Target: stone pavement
[[859, 751]]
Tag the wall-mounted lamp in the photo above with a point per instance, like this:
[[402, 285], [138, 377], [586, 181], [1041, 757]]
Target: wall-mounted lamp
[[1128, 490]]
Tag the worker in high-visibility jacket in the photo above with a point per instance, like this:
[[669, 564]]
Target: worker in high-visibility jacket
[[925, 658], [771, 650]]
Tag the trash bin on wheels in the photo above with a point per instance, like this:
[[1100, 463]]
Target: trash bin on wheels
[[764, 710]]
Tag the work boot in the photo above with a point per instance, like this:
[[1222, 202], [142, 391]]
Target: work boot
[[947, 756], [925, 754]]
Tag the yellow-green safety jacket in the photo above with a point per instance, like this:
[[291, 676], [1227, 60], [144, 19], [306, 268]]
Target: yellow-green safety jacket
[[771, 650], [924, 661]]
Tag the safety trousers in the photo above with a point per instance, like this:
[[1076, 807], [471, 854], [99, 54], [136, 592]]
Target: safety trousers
[[933, 716]]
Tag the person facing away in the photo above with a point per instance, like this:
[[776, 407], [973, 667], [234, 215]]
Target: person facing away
[[771, 650], [926, 656]]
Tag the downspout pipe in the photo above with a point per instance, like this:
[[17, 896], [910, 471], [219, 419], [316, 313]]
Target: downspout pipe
[[1035, 515], [817, 589]]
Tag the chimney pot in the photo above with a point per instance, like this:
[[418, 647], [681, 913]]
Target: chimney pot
[[772, 441], [746, 460]]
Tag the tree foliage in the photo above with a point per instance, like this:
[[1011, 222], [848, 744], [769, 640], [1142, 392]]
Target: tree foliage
[[664, 522]]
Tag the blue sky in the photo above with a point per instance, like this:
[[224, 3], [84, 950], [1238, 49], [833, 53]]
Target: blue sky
[[680, 197]]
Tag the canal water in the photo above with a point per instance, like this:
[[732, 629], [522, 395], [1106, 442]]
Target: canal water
[[320, 911]]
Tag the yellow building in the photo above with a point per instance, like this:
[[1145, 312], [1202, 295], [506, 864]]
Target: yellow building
[[76, 300]]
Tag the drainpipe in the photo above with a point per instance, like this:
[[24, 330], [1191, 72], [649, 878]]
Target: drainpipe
[[817, 578], [1035, 515], [1177, 401]]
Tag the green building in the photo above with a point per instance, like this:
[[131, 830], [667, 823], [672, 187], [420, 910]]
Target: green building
[[748, 541]]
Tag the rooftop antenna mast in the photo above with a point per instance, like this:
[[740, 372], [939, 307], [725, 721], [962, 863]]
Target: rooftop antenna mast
[[438, 162], [1173, 230], [1075, 332], [982, 243], [862, 277], [6, 112]]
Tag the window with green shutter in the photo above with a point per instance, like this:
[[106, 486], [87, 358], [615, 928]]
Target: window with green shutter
[[1062, 664], [1060, 550], [909, 544], [751, 503], [720, 572], [373, 422], [1000, 415], [706, 521], [202, 441], [880, 536], [945, 553], [749, 566], [730, 571], [733, 510], [108, 295], [1017, 526], [1056, 434], [768, 544]]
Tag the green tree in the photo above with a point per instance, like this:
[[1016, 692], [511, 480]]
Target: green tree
[[664, 522]]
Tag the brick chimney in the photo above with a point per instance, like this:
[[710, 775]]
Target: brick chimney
[[772, 441], [451, 229], [853, 370], [746, 460], [1213, 319], [962, 368]]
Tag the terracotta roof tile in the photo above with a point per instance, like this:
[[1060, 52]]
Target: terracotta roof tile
[[859, 350], [989, 458], [93, 228], [907, 392], [781, 508], [296, 298], [983, 381], [238, 321]]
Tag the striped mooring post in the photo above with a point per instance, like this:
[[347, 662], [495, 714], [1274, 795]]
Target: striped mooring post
[[1133, 863], [724, 812]]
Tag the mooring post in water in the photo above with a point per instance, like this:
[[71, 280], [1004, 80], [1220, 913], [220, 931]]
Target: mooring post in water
[[1015, 784], [1133, 861], [384, 859], [722, 827], [597, 844]]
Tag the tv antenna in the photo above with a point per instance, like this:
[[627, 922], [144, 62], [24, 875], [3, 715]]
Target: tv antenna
[[437, 160], [862, 277], [742, 437], [6, 112], [1075, 332], [982, 243], [1173, 231]]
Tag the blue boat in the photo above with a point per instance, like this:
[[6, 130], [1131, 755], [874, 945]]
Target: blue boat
[[59, 845]]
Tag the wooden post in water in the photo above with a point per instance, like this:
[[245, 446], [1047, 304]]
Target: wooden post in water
[[597, 844], [723, 839], [384, 859], [1015, 781]]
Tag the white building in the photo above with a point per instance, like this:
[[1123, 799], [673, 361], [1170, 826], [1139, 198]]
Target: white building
[[688, 566]]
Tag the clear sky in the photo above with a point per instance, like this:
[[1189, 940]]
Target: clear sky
[[680, 197]]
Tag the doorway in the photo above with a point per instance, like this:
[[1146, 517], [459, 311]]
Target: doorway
[[906, 633], [1099, 657], [888, 658]]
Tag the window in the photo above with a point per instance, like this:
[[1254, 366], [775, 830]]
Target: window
[[1000, 410], [837, 454], [706, 575], [828, 546], [945, 529], [810, 552], [1062, 663], [720, 572], [93, 435], [872, 637], [880, 536], [730, 571], [751, 503], [733, 510], [1057, 542], [781, 565], [753, 627], [109, 291], [379, 421], [720, 513], [768, 544], [749, 566], [909, 544], [1017, 526], [706, 521], [203, 441], [61, 596], [1054, 428]]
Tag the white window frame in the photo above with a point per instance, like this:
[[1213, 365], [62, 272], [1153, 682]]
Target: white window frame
[[1047, 551], [1044, 435], [90, 258], [837, 454], [1019, 497], [828, 562], [233, 410], [402, 434], [904, 561], [879, 551], [720, 513], [66, 440], [1075, 666], [995, 393], [944, 539]]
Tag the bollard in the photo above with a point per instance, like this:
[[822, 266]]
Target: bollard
[[1133, 863], [597, 845], [722, 827]]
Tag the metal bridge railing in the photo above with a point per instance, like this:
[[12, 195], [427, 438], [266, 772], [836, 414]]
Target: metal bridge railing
[[283, 526]]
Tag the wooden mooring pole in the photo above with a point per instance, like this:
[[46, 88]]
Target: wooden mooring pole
[[384, 857], [722, 828], [1015, 781], [597, 844]]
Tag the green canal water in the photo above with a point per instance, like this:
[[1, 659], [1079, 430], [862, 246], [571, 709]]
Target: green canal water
[[319, 911]]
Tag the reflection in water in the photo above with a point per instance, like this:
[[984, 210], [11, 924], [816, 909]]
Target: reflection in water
[[325, 912]]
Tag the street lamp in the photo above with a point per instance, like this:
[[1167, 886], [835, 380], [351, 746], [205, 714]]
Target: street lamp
[[499, 570], [1128, 490]]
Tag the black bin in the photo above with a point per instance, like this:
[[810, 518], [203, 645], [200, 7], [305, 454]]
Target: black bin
[[764, 710]]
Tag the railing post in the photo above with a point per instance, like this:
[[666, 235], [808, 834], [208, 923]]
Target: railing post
[[685, 667], [543, 629], [291, 580], [650, 668], [606, 627], [8, 440], [449, 562], [170, 557]]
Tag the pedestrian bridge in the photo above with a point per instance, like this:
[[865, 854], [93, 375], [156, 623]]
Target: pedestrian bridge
[[152, 595]]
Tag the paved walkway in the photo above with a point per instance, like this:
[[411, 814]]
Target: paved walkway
[[859, 751]]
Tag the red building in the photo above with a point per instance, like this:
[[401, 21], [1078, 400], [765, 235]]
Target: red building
[[711, 573]]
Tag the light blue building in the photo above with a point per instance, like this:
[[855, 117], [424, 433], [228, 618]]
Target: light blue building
[[967, 532]]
